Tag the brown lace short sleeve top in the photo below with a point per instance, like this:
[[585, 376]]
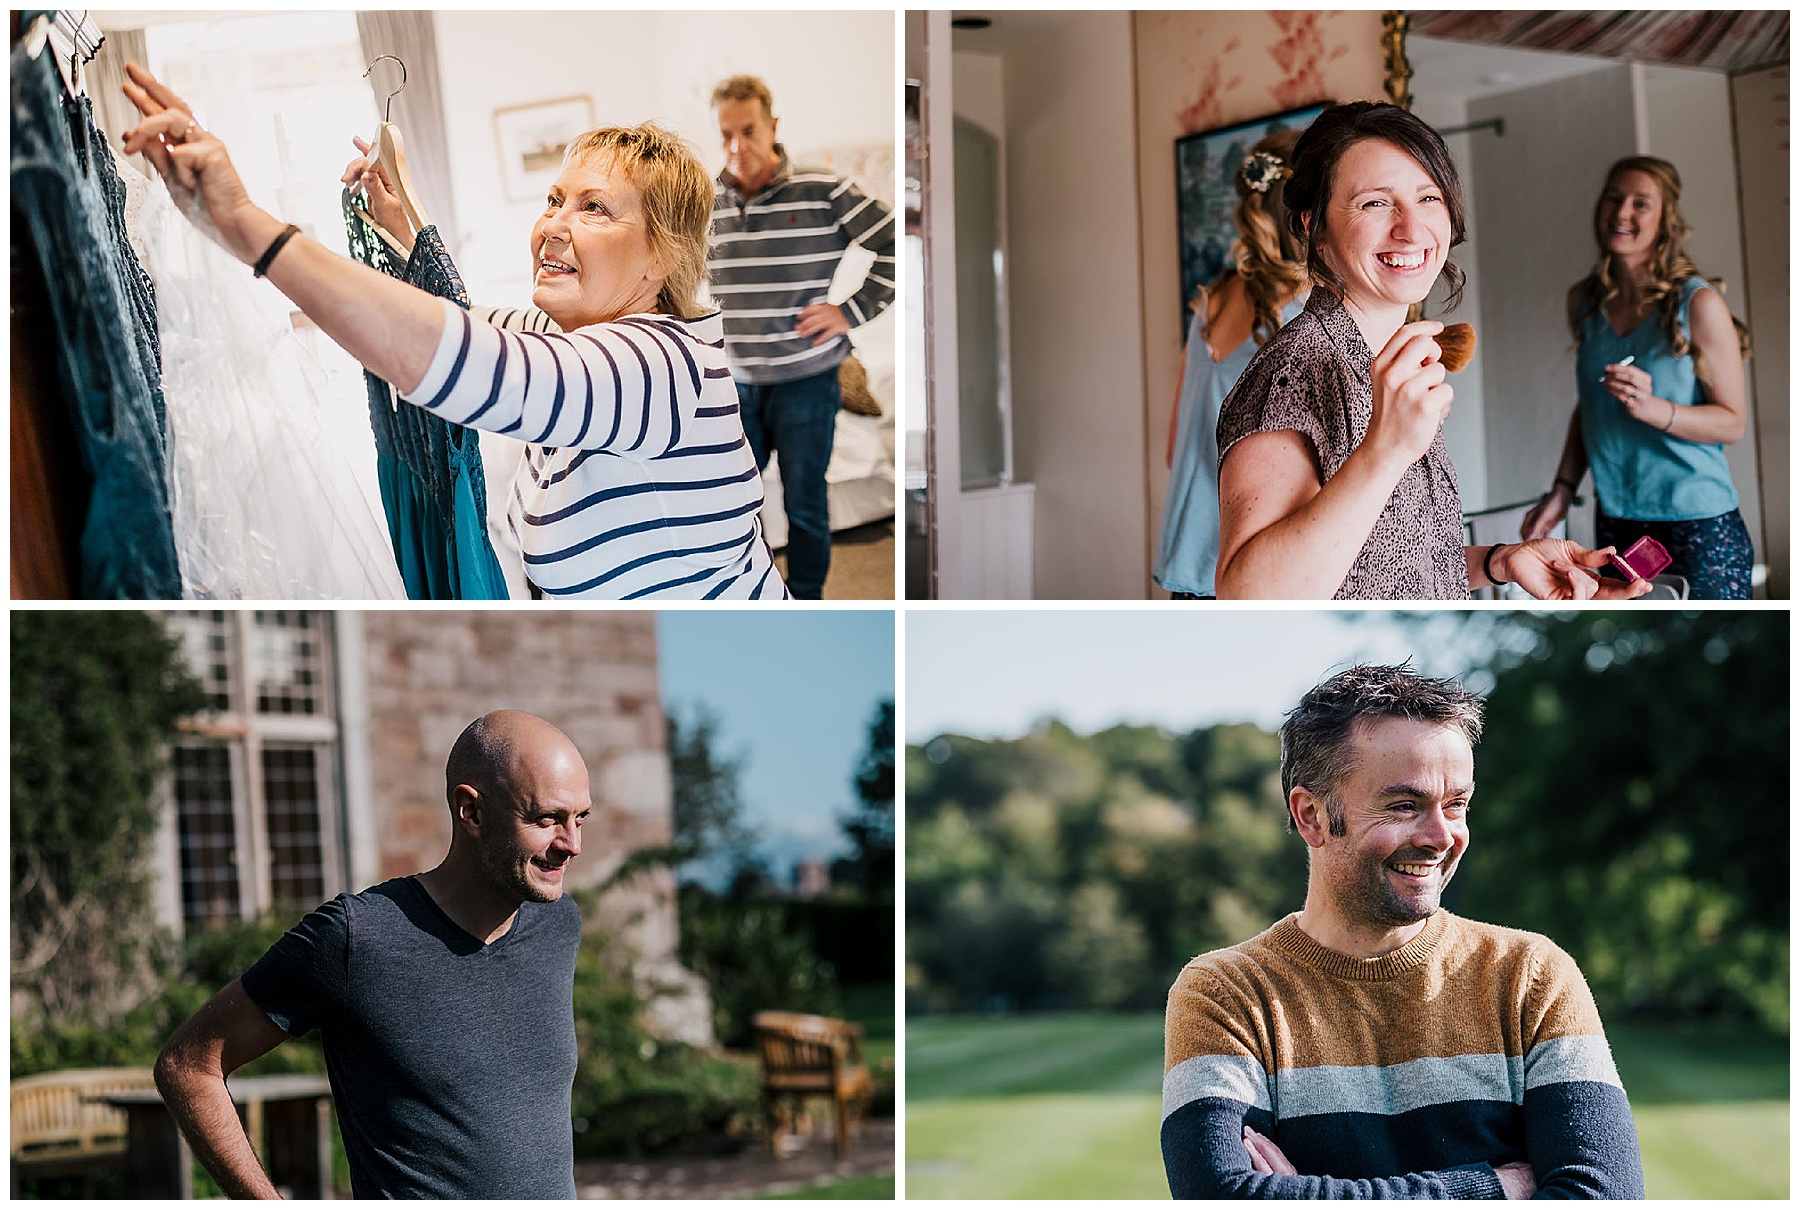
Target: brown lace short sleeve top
[[1313, 377]]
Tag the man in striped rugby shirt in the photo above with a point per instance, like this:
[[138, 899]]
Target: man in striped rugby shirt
[[1372, 1045], [778, 235]]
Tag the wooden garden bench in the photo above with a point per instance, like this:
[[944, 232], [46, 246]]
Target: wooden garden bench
[[807, 1056]]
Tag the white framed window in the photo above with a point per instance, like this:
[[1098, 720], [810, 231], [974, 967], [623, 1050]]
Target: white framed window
[[256, 792]]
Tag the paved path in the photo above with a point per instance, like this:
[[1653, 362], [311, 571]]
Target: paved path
[[750, 1172]]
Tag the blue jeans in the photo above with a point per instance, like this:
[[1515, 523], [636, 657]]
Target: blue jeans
[[798, 420]]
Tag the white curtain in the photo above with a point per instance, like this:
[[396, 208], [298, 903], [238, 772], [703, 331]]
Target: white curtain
[[411, 36], [105, 76]]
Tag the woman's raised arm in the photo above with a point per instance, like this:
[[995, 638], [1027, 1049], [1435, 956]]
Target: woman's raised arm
[[390, 327]]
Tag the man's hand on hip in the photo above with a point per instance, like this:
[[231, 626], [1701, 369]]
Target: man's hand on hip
[[822, 322], [1518, 1180]]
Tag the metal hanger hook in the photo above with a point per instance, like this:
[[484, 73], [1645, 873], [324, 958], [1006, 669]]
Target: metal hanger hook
[[388, 108]]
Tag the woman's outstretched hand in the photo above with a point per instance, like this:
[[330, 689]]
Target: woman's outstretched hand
[[191, 161], [384, 204], [1411, 396], [1556, 569]]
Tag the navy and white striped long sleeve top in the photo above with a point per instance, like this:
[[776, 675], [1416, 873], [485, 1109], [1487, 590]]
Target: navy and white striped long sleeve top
[[637, 480], [775, 253]]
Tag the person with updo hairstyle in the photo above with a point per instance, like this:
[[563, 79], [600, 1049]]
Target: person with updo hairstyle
[[1334, 480], [1263, 289], [1655, 430]]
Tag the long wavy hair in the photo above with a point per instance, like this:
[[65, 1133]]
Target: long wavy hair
[[1669, 263], [1266, 257]]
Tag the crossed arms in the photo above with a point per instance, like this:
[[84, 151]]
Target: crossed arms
[[1248, 1063]]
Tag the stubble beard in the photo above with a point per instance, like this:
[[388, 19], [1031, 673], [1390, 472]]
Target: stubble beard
[[1373, 901], [507, 871]]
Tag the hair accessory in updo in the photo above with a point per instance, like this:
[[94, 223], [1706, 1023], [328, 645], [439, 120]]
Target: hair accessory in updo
[[1261, 170]]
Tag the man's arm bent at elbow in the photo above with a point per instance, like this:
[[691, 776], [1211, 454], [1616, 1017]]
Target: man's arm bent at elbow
[[228, 1032]]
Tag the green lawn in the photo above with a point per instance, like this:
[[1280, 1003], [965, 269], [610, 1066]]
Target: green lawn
[[1069, 1107], [871, 1005]]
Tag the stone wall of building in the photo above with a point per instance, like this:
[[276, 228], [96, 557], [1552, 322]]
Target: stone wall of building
[[593, 674]]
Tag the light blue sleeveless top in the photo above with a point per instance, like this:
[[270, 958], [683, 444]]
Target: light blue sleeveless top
[[1639, 473], [1189, 551]]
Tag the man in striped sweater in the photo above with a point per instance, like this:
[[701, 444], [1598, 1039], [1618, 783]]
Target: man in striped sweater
[[1373, 1045], [778, 235]]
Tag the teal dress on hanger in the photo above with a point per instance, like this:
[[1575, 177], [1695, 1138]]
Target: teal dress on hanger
[[429, 470]]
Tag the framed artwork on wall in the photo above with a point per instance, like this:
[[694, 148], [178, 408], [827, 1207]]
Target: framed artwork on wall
[[531, 139], [1206, 194]]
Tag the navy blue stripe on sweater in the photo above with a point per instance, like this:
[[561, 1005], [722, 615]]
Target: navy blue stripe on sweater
[[639, 482]]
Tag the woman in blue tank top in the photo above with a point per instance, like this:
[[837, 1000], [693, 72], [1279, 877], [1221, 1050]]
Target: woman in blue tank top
[[1660, 376], [1263, 290]]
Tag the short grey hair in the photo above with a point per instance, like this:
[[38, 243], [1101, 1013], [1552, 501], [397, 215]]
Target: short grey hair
[[1317, 734]]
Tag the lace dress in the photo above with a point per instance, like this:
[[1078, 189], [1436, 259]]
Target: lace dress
[[430, 471]]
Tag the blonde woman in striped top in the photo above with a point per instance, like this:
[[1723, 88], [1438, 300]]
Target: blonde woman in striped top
[[639, 483]]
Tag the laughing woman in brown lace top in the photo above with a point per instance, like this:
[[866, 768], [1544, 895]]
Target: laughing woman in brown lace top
[[1334, 479]]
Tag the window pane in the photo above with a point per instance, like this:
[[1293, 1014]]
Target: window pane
[[291, 797], [209, 886], [206, 641], [285, 661]]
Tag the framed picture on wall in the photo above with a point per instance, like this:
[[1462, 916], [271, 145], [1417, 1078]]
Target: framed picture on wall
[[531, 139], [1206, 193]]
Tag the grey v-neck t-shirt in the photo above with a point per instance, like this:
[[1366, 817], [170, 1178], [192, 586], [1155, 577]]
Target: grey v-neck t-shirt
[[451, 1062]]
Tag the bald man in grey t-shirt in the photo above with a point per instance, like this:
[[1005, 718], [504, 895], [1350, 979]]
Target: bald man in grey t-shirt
[[444, 999]]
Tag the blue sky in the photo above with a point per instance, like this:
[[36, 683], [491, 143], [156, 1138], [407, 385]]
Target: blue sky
[[793, 691], [994, 674]]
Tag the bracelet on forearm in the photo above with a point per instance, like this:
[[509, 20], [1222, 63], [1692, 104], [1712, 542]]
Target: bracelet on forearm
[[287, 233], [1563, 482], [1487, 565], [1671, 424]]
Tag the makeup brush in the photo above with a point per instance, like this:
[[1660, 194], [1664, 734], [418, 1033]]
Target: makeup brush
[[1458, 343]]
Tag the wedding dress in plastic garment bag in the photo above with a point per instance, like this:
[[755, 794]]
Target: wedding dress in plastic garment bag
[[430, 470], [263, 454]]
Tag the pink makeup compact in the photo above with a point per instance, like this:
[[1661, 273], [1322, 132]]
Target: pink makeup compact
[[1642, 559]]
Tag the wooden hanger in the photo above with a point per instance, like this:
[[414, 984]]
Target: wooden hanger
[[390, 151]]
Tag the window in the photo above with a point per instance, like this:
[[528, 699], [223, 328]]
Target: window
[[256, 803]]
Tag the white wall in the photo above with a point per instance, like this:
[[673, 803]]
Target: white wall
[[1465, 429], [980, 90], [831, 75], [1761, 122], [1077, 353], [1537, 187]]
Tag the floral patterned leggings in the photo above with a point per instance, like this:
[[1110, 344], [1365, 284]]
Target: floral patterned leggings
[[1714, 553]]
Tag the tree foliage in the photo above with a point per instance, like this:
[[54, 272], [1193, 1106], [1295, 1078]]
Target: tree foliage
[[95, 702], [1060, 870], [869, 829], [1631, 804]]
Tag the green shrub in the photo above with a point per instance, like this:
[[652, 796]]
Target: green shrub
[[635, 1095], [753, 957]]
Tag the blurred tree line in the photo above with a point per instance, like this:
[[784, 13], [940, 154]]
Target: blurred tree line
[[1632, 804]]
